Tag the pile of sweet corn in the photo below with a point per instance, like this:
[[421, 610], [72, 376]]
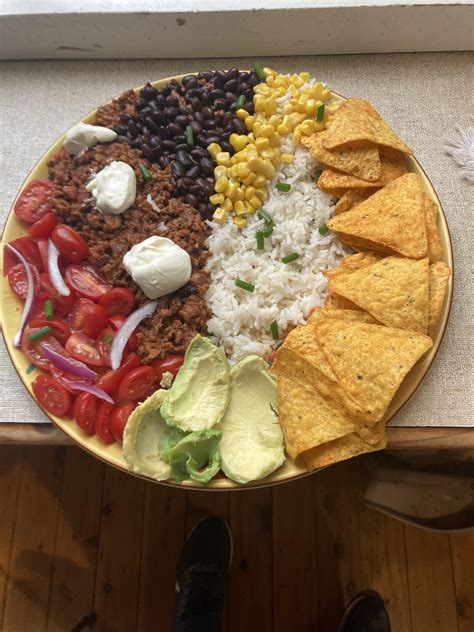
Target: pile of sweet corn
[[241, 180]]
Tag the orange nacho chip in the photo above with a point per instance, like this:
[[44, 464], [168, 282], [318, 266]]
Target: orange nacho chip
[[351, 198], [435, 247], [439, 278]]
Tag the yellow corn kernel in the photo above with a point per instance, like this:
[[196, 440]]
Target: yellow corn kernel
[[216, 199], [279, 92], [282, 81], [293, 119], [239, 141], [256, 127], [325, 94], [283, 130], [276, 161], [240, 194], [219, 215], [248, 207], [261, 144], [305, 76], [310, 106], [242, 170], [267, 153], [287, 109], [242, 114], [221, 184], [318, 127], [302, 100], [269, 72], [318, 90], [271, 82], [227, 205], [251, 138], [249, 121], [223, 158], [219, 171], [259, 103], [255, 202], [249, 179], [251, 151], [307, 127], [255, 164], [240, 222], [259, 181], [331, 109], [274, 140], [295, 139], [267, 131], [296, 81], [262, 194], [270, 106], [233, 160], [249, 192], [274, 120], [268, 169], [239, 207], [234, 171], [287, 158], [214, 149], [231, 190]]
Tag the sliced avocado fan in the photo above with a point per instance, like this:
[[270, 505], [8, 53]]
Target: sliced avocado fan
[[195, 456]]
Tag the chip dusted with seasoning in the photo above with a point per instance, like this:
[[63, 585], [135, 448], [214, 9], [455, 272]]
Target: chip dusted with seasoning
[[394, 290], [435, 247], [370, 361], [334, 301], [350, 263], [351, 198], [340, 314], [392, 218], [364, 245], [439, 278]]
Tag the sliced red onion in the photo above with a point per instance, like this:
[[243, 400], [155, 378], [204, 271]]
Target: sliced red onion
[[90, 388], [69, 365], [29, 295], [126, 330], [54, 271]]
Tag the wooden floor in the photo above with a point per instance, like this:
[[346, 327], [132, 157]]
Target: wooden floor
[[77, 537]]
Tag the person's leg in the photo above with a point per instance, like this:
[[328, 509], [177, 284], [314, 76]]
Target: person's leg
[[365, 613], [201, 576]]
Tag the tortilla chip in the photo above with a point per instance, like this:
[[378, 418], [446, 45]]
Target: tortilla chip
[[435, 247], [439, 277], [364, 245], [391, 218], [340, 314], [334, 301], [363, 162], [350, 263], [394, 290], [351, 198], [370, 361]]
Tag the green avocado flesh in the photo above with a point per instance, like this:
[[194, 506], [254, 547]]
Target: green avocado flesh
[[196, 456], [199, 395]]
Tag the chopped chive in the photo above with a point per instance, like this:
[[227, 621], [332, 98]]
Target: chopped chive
[[262, 214], [48, 309], [36, 335], [108, 339], [323, 229], [283, 186], [189, 135], [244, 285], [29, 369], [320, 113], [289, 258], [268, 230], [274, 330], [259, 71], [145, 173], [260, 240], [240, 101]]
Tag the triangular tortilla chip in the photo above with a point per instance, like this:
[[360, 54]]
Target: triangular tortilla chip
[[370, 361], [439, 278], [364, 245], [394, 290], [351, 198], [350, 263], [393, 217], [334, 301], [319, 314], [435, 247]]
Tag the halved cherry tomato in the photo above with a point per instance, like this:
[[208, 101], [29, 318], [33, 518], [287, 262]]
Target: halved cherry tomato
[[102, 422], [35, 201], [85, 412], [62, 305], [137, 384], [51, 395], [70, 411], [116, 322], [119, 420], [84, 278], [171, 364], [18, 280], [88, 317], [118, 300], [44, 226], [32, 349], [59, 328], [43, 250], [110, 380], [104, 344], [28, 248], [85, 349], [69, 243]]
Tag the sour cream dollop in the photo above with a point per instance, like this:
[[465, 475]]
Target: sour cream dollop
[[158, 266], [114, 188], [83, 135]]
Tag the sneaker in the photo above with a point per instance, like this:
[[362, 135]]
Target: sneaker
[[200, 581], [365, 613]]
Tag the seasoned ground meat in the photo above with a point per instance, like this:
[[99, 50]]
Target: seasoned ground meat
[[179, 316], [109, 115]]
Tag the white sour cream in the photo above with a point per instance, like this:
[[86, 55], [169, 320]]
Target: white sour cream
[[83, 135], [114, 188], [158, 266]]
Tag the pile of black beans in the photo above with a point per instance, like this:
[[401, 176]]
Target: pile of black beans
[[207, 102]]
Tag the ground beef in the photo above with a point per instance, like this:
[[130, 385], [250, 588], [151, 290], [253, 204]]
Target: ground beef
[[109, 115], [179, 316]]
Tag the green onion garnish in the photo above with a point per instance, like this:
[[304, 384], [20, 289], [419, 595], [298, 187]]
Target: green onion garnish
[[283, 186], [259, 71], [29, 369], [240, 101], [262, 214], [289, 258], [260, 240], [320, 113], [189, 135], [108, 339], [268, 230], [145, 173], [39, 333], [274, 330], [244, 285], [48, 309], [323, 229]]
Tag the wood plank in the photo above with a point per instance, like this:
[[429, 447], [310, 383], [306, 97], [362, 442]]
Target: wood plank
[[163, 536], [431, 583], [462, 551], [118, 566], [72, 589], [295, 586], [250, 580], [32, 551]]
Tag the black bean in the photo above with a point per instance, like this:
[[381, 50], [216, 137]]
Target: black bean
[[164, 132], [195, 103], [187, 79], [150, 123], [198, 117], [231, 86], [199, 152], [206, 112], [140, 103], [206, 166], [239, 126], [217, 94], [174, 128], [230, 97], [158, 118], [202, 208], [191, 199], [196, 127], [181, 138], [210, 132], [249, 107], [193, 172], [121, 130], [125, 117], [221, 74], [184, 158], [172, 101], [225, 146], [213, 139], [206, 186], [233, 107], [244, 76], [132, 128], [155, 141], [182, 146], [219, 116], [243, 86], [136, 143], [160, 100], [145, 111], [195, 189], [177, 169], [171, 113], [149, 92], [206, 99], [249, 94], [163, 161], [169, 144], [193, 93], [182, 120], [209, 124], [205, 74], [146, 152], [122, 139], [220, 104], [155, 153]]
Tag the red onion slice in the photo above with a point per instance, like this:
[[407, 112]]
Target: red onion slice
[[29, 295], [90, 388], [126, 330], [54, 271], [69, 365]]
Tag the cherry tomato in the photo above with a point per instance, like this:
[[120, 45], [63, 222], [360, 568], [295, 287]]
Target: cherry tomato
[[28, 248], [85, 349], [88, 317], [104, 343], [69, 243], [137, 384], [59, 328], [18, 280], [43, 227], [171, 364], [34, 201], [84, 278], [119, 420], [102, 422], [62, 305], [118, 300], [70, 411], [85, 412], [32, 349], [51, 395], [43, 250], [110, 380], [116, 322]]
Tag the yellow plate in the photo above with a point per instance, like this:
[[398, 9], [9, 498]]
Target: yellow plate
[[11, 307]]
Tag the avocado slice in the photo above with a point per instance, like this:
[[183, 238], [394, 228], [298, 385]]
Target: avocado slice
[[196, 456], [199, 395], [252, 441]]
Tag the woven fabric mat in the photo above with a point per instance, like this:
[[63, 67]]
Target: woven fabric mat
[[423, 96]]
